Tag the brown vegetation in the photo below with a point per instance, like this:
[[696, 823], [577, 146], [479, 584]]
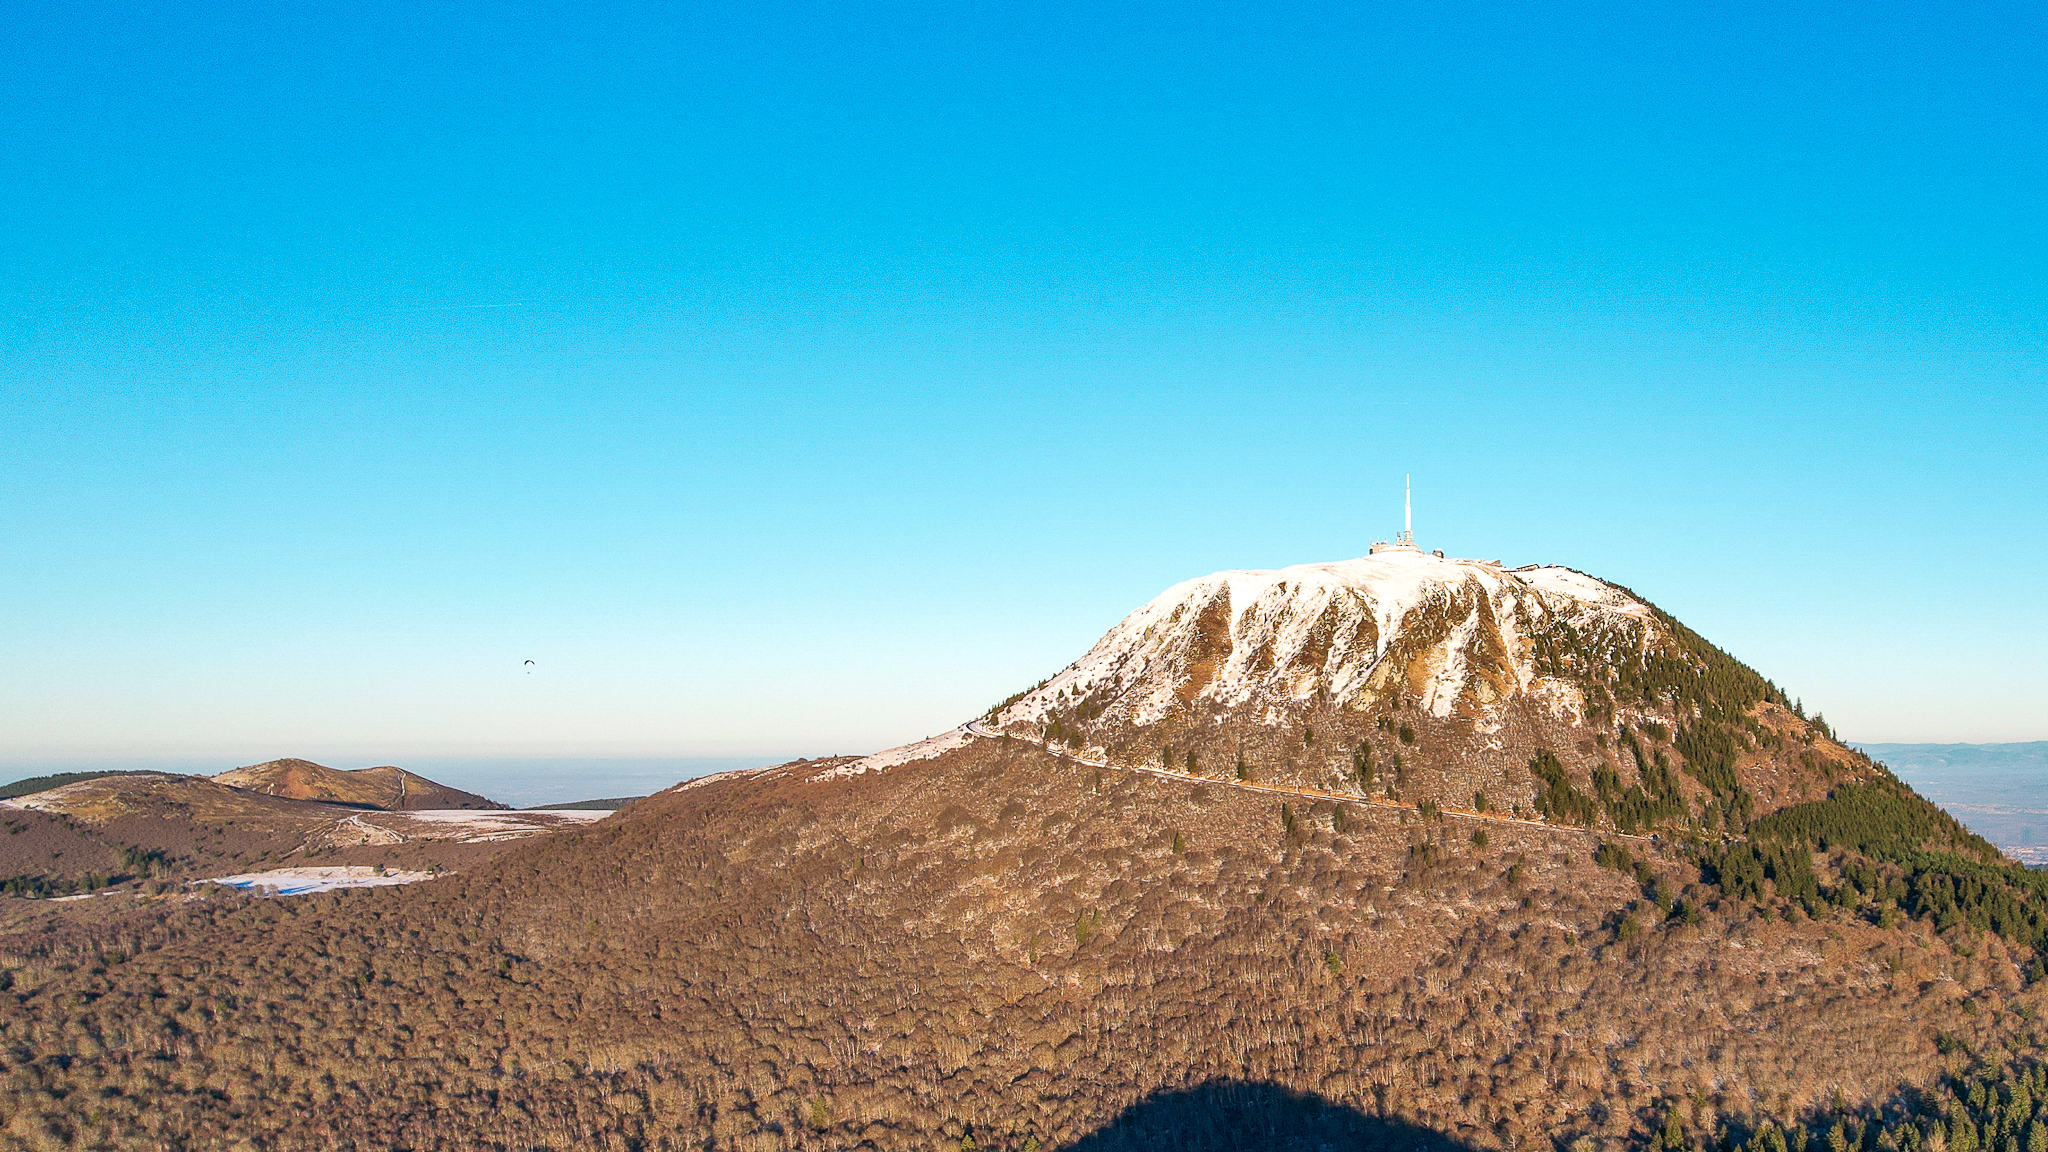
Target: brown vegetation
[[993, 945]]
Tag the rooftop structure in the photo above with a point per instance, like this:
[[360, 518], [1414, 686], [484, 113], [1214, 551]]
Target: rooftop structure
[[1405, 542]]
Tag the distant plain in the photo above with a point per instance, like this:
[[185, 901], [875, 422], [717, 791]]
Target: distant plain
[[2000, 791]]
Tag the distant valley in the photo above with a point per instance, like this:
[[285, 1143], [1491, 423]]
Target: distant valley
[[1999, 790]]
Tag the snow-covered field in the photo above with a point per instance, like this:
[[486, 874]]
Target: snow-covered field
[[299, 881], [476, 826], [895, 757]]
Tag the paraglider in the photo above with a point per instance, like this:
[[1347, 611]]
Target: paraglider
[[529, 665]]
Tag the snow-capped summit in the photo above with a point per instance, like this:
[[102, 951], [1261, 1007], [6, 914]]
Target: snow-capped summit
[[1446, 636]]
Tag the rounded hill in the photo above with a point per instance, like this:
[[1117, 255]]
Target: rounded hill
[[386, 787]]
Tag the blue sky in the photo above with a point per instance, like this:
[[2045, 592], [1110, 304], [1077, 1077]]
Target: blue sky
[[792, 379]]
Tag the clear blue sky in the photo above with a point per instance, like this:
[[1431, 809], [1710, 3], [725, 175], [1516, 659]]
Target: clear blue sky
[[792, 379]]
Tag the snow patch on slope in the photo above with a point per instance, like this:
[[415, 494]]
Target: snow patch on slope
[[483, 826], [925, 749], [715, 777], [1572, 584], [300, 881]]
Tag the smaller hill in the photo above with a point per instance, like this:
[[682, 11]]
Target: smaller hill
[[35, 784], [84, 836], [609, 804], [141, 832], [385, 787], [103, 799]]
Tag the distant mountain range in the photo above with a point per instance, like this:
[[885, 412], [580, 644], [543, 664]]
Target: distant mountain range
[[1966, 761]]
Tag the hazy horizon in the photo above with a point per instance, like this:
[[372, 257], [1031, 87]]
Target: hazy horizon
[[522, 782], [2000, 790]]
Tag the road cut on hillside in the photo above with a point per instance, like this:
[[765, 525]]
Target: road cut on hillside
[[975, 728]]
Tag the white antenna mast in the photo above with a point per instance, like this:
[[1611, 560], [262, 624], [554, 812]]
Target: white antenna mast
[[1405, 542]]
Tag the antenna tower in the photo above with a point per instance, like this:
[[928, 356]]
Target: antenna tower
[[1405, 542]]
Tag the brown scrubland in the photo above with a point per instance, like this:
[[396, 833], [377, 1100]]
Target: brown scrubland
[[994, 946]]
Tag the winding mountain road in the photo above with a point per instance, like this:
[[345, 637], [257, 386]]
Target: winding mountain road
[[976, 728]]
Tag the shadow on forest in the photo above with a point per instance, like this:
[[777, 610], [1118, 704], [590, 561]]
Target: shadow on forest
[[1227, 1116]]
